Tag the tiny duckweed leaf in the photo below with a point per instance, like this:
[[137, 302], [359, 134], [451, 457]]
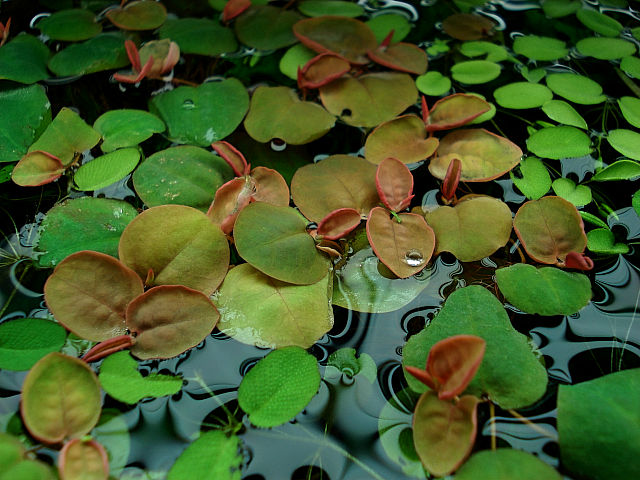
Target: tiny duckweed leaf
[[168, 320], [119, 377], [404, 57], [467, 26], [71, 25], [275, 113], [197, 461], [630, 108], [473, 229], [627, 142], [599, 22], [37, 168], [321, 70], [493, 52], [521, 95], [383, 24], [620, 170], [138, 15], [339, 223], [346, 37], [279, 386], [474, 72], [405, 246], [403, 138], [107, 169], [199, 36], [506, 464], [455, 110], [534, 180], [179, 244], [444, 432], [631, 66], [561, 112], [83, 460], [24, 60], [635, 202], [484, 155], [263, 232], [126, 128], [540, 48], [319, 189], [605, 48], [579, 195], [85, 223], [550, 228], [202, 115], [24, 341], [89, 292], [229, 201], [473, 310], [289, 314], [591, 447], [318, 8], [433, 84], [602, 240], [103, 52], [559, 142], [60, 398], [270, 186], [266, 27], [184, 175], [295, 57], [576, 88], [394, 183], [544, 291]]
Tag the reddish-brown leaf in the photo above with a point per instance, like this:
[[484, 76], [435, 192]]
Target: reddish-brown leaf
[[107, 347], [451, 180], [467, 26], [233, 157], [404, 57], [229, 201], [339, 223], [579, 261], [321, 70], [233, 8], [270, 187], [395, 184], [455, 110], [83, 460], [37, 168]]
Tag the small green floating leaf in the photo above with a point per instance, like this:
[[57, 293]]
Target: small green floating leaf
[[24, 341], [561, 112], [593, 220], [544, 291], [107, 169], [119, 377], [474, 72], [29, 470], [11, 452], [138, 15], [630, 108], [579, 195], [534, 75], [620, 170], [535, 180], [635, 202], [24, 60], [540, 48], [599, 22], [433, 83], [631, 66], [506, 464], [199, 36], [602, 240], [317, 8], [559, 142], [576, 88], [126, 128], [521, 95], [560, 8], [605, 48], [627, 142], [381, 25], [493, 52], [103, 52], [266, 27], [296, 56], [591, 447], [197, 461], [71, 25], [279, 386]]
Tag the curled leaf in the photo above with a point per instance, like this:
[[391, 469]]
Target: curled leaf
[[339, 223], [229, 201], [394, 183], [454, 111], [321, 70]]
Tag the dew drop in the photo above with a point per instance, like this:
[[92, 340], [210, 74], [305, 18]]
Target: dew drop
[[188, 104], [413, 258]]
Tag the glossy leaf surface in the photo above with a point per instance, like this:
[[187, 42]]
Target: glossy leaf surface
[[24, 341], [339, 223], [106, 169], [138, 15], [403, 138], [561, 112], [266, 27], [103, 52], [620, 170], [126, 128], [24, 60], [559, 142], [506, 464], [83, 460], [71, 25], [454, 111], [474, 72], [605, 48], [625, 141], [630, 109], [196, 460]]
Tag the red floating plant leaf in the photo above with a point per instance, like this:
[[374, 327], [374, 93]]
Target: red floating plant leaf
[[135, 78], [133, 54], [339, 223], [83, 459], [455, 110], [403, 138], [4, 31], [579, 261], [451, 180], [37, 168], [107, 347], [163, 54], [467, 26], [233, 8], [229, 201], [404, 57], [270, 187], [321, 70], [395, 184], [233, 157], [422, 375]]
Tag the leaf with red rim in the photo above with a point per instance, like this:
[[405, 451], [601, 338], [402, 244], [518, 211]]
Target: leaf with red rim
[[455, 110], [403, 138], [404, 57], [467, 26], [578, 261], [4, 31], [233, 8], [138, 15], [162, 54], [451, 180], [37, 168], [271, 187], [394, 183], [83, 460], [107, 347], [232, 156], [339, 223], [321, 70], [229, 201]]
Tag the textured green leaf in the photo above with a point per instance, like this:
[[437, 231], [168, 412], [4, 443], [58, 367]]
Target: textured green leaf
[[474, 72], [24, 60], [214, 455], [520, 95], [602, 240], [561, 112], [381, 25], [630, 108], [620, 170], [576, 88], [593, 220], [605, 48], [199, 36], [627, 142], [126, 128], [24, 341], [71, 25], [433, 83], [579, 195], [107, 169], [540, 48], [493, 52], [506, 464], [635, 202], [599, 22], [631, 66], [559, 142], [534, 181], [350, 364], [103, 52]]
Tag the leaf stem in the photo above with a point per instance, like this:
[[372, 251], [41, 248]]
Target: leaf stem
[[13, 292], [492, 412], [534, 426]]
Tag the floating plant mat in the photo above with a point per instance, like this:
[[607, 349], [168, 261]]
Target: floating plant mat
[[292, 240]]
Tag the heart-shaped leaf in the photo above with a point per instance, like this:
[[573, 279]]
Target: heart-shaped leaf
[[455, 110], [266, 27], [394, 183], [24, 60], [370, 99], [275, 113], [444, 432], [559, 142], [521, 95], [24, 341], [404, 243], [103, 52], [605, 48], [566, 188], [138, 15], [576, 88], [561, 112], [199, 36], [339, 223], [88, 293], [544, 291], [196, 460], [339, 181], [295, 57], [126, 128], [433, 83], [550, 228], [484, 155], [473, 229], [107, 169], [404, 57], [620, 170], [83, 459], [180, 246], [534, 180], [403, 138], [72, 25], [493, 52], [37, 168], [506, 464], [274, 240], [602, 240], [539, 48], [60, 398], [627, 142], [289, 314]]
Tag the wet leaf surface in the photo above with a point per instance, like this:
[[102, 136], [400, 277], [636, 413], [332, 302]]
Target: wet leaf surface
[[106, 169]]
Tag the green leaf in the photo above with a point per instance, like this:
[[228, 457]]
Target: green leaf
[[289, 314], [635, 202], [627, 142], [5, 173], [60, 398], [521, 95], [506, 464], [544, 291], [534, 75], [202, 115], [317, 8], [71, 25], [560, 8], [540, 48], [119, 377], [84, 223], [630, 108], [29, 470], [11, 452], [26, 112], [82, 459], [266, 27], [579, 195], [346, 361], [559, 142], [126, 128], [561, 112], [599, 22], [576, 88], [24, 341], [474, 72], [279, 386], [593, 220], [24, 60], [197, 461], [602, 240], [605, 48], [138, 15], [107, 169], [620, 170], [295, 57], [534, 181], [112, 432], [591, 447], [199, 36], [103, 52], [631, 66], [433, 83], [513, 383], [493, 52], [381, 25]]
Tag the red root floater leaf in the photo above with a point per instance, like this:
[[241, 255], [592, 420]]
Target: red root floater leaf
[[229, 201], [135, 78], [339, 223], [270, 187], [106, 348], [451, 180], [455, 110], [425, 110], [394, 183], [233, 8], [322, 70], [233, 157], [422, 375], [133, 54], [579, 261], [4, 31], [79, 458]]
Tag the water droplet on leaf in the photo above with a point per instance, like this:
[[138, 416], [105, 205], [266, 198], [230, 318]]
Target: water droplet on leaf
[[413, 258], [188, 104]]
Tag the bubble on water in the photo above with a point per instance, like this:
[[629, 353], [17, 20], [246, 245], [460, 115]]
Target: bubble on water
[[278, 145], [413, 258]]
